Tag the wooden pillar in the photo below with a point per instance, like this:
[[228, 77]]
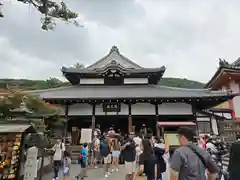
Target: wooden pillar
[[93, 116], [211, 127], [129, 118], [195, 118], [157, 127], [162, 131], [66, 123]]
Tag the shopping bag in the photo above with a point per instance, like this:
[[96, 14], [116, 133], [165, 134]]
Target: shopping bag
[[65, 170]]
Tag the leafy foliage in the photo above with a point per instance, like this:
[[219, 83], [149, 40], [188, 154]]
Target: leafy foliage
[[17, 99], [31, 84], [181, 83], [50, 11]]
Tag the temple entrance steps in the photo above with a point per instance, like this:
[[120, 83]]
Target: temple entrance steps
[[75, 153]]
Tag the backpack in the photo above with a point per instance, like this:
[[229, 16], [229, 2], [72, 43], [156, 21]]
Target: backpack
[[80, 156], [104, 149]]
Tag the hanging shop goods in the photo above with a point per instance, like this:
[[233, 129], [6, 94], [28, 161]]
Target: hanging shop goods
[[9, 155]]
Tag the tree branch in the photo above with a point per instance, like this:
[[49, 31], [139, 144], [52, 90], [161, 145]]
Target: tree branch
[[51, 10]]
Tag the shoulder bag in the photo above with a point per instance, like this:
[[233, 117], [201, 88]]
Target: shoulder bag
[[198, 155]]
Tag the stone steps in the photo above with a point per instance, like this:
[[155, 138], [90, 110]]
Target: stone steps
[[75, 153]]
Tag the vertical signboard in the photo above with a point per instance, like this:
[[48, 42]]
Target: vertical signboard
[[30, 168]]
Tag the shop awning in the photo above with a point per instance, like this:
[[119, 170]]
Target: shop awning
[[14, 128], [176, 124]]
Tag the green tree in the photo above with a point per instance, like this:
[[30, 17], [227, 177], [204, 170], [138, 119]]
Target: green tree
[[15, 99], [53, 82], [50, 11]]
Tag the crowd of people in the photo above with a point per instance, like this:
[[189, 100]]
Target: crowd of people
[[133, 150], [147, 156]]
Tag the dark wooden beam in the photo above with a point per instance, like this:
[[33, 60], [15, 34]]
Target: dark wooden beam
[[157, 127], [66, 122], [129, 117], [93, 116]]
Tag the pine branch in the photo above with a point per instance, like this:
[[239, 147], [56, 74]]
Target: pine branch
[[50, 11]]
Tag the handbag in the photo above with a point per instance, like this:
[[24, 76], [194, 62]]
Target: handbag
[[65, 170]]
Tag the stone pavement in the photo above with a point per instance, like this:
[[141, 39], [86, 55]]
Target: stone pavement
[[93, 174]]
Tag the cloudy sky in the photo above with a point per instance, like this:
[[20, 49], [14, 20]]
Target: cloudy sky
[[187, 36]]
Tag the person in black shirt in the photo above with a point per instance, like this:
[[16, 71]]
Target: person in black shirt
[[129, 154], [159, 151], [148, 161]]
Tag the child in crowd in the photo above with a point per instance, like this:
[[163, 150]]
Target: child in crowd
[[83, 162], [116, 146], [66, 165]]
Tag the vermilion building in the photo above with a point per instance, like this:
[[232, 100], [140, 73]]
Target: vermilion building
[[227, 78]]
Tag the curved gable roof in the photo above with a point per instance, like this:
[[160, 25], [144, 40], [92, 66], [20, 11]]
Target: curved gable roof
[[115, 55], [224, 66]]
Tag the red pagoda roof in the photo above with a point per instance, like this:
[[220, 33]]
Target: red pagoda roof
[[224, 73]]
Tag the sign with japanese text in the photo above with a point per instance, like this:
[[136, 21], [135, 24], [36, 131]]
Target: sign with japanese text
[[111, 107], [30, 168]]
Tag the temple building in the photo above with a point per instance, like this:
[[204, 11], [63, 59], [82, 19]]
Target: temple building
[[227, 77], [116, 91]]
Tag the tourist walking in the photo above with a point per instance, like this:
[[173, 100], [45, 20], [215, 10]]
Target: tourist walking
[[148, 161], [234, 161], [105, 153], [58, 149], [129, 154], [66, 165], [138, 142], [97, 132], [216, 149], [95, 146], [143, 131], [83, 159], [115, 154], [190, 161], [160, 150]]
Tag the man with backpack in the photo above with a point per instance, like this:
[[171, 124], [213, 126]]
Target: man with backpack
[[190, 161], [105, 153]]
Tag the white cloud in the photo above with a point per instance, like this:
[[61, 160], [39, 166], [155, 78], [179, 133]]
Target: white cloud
[[186, 36], [22, 65]]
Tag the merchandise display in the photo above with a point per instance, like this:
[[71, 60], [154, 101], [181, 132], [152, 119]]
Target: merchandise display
[[9, 155]]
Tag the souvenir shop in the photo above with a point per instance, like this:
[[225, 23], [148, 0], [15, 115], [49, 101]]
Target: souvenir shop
[[13, 150]]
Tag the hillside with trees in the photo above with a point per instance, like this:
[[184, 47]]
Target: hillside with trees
[[181, 83], [27, 84]]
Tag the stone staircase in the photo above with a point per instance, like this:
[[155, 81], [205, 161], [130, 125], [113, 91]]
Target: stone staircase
[[75, 153]]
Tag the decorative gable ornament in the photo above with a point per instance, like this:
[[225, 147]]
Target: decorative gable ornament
[[114, 57]]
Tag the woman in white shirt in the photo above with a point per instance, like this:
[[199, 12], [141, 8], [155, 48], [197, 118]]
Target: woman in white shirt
[[138, 142], [58, 149]]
